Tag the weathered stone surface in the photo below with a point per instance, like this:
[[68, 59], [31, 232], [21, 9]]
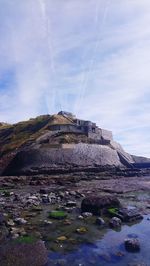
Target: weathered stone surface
[[132, 245], [96, 204], [100, 221], [24, 254], [115, 222]]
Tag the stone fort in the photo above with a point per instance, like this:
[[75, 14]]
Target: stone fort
[[79, 126]]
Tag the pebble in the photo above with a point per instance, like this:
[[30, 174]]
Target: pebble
[[100, 221], [87, 214]]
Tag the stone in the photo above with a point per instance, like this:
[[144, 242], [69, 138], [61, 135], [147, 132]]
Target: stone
[[100, 221], [87, 214], [44, 191], [61, 238], [80, 217], [71, 204], [2, 219], [20, 221], [24, 254], [81, 230], [95, 204], [128, 215], [45, 198], [10, 223], [46, 222], [132, 244], [115, 222]]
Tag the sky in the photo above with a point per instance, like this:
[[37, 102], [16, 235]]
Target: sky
[[90, 57]]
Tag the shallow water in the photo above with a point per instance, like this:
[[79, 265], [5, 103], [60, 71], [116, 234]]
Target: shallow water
[[109, 250]]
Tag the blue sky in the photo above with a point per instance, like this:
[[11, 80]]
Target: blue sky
[[91, 57]]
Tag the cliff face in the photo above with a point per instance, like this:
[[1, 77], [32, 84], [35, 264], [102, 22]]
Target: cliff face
[[31, 147]]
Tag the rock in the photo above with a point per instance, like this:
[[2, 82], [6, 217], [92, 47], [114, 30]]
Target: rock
[[45, 198], [2, 219], [115, 222], [87, 214], [81, 230], [44, 191], [48, 222], [61, 238], [100, 221], [10, 223], [24, 254], [132, 245], [127, 215], [95, 204], [17, 231], [20, 221], [71, 204], [80, 217]]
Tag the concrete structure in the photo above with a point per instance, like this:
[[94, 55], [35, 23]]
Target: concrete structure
[[87, 128]]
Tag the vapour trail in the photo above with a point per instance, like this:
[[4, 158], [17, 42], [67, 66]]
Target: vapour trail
[[83, 79], [91, 63], [48, 36], [84, 67]]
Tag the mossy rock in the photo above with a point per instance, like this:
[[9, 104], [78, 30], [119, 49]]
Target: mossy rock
[[112, 211], [59, 215]]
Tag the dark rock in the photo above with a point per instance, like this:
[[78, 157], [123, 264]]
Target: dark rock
[[95, 205], [132, 245], [115, 222], [71, 204], [44, 191], [2, 219], [100, 221], [24, 254], [129, 215]]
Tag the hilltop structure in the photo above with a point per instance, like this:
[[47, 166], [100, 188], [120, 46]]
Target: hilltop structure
[[88, 128], [61, 143]]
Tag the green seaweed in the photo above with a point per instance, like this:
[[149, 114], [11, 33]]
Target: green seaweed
[[112, 211], [57, 215], [26, 239]]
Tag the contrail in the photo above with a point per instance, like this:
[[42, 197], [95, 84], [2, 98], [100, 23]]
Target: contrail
[[48, 36], [91, 63]]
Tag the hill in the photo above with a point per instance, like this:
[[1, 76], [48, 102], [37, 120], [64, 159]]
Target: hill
[[60, 142]]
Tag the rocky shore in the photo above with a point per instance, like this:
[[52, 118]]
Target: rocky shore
[[47, 212]]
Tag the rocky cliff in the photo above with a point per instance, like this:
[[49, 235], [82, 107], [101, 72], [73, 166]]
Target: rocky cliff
[[30, 147]]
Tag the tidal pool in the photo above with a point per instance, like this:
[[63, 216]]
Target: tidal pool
[[109, 250]]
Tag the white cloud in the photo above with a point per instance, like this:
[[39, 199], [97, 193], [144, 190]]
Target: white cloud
[[91, 57]]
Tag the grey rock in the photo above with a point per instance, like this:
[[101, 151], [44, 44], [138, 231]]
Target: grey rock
[[100, 221], [115, 222], [20, 221], [132, 244], [87, 214], [71, 204], [97, 204]]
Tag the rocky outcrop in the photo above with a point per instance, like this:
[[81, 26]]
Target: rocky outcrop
[[38, 148], [75, 156], [96, 205]]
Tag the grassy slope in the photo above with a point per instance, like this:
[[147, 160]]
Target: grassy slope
[[13, 136]]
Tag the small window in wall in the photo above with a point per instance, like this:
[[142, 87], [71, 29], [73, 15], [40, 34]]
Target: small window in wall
[[93, 129]]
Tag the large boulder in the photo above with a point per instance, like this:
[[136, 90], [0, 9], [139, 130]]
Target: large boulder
[[23, 254], [96, 205]]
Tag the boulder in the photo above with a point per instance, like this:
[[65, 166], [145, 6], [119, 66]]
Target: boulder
[[115, 222], [100, 221], [96, 205], [24, 254], [132, 244]]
